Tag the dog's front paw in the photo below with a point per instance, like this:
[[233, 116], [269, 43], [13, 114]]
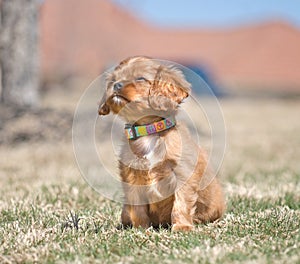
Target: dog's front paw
[[180, 227]]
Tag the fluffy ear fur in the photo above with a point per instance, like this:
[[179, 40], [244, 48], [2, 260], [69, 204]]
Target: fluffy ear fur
[[103, 109], [169, 89]]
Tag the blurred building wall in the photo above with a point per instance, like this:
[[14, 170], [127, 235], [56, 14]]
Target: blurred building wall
[[82, 37]]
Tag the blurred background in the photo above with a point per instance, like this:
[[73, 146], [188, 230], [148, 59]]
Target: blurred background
[[50, 50], [248, 51], [238, 47], [241, 46]]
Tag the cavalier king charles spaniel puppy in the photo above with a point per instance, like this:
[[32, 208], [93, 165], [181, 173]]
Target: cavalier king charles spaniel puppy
[[165, 176]]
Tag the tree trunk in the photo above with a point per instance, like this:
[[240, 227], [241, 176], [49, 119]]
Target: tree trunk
[[19, 62]]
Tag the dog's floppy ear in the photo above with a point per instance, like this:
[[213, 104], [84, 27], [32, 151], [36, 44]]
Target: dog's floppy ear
[[169, 88], [103, 109]]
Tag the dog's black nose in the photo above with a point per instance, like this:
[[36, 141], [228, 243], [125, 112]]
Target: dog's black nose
[[118, 86]]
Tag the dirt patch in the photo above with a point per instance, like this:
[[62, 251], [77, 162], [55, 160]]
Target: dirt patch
[[20, 125]]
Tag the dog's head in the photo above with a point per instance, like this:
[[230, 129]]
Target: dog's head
[[141, 86]]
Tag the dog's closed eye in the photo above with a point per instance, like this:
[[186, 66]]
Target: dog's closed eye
[[141, 79]]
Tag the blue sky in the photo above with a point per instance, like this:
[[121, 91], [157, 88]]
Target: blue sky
[[213, 13]]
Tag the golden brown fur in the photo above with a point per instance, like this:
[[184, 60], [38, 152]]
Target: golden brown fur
[[162, 173]]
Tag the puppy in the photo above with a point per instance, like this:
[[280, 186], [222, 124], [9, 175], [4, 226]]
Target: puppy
[[164, 174]]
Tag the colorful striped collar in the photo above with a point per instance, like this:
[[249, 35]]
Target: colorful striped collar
[[134, 131]]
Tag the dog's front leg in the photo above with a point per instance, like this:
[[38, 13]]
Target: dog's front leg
[[125, 216], [138, 215], [183, 210], [135, 215]]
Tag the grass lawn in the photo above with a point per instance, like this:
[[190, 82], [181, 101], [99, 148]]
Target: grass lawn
[[49, 214]]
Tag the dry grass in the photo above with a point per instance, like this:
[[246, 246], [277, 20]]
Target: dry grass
[[42, 190]]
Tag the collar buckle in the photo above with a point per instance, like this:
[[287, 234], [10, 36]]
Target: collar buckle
[[131, 128]]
